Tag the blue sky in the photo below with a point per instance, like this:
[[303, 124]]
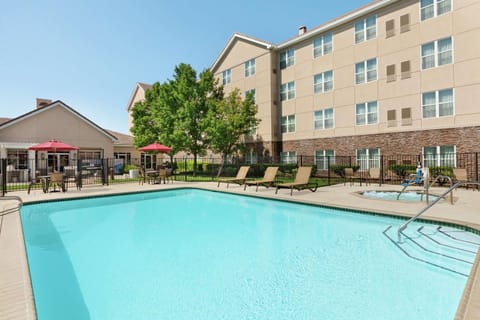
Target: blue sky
[[90, 54]]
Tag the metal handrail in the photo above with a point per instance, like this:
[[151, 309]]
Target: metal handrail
[[435, 180], [455, 186], [11, 210]]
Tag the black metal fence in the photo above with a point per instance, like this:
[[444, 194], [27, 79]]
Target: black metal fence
[[82, 172]]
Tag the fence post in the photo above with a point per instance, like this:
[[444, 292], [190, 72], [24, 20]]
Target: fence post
[[104, 172], [476, 166], [381, 169], [301, 160], [3, 163], [328, 170], [185, 168]]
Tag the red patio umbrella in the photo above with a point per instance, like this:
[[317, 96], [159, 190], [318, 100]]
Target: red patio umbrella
[[53, 145], [156, 147]]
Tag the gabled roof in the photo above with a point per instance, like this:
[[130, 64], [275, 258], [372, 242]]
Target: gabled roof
[[138, 85], [122, 139], [346, 18], [49, 106], [3, 120], [233, 38]]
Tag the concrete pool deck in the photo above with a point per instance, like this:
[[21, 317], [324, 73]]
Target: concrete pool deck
[[16, 298]]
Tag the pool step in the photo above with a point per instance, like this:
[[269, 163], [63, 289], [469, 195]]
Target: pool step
[[446, 248]]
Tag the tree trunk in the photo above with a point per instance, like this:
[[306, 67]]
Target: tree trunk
[[194, 164], [220, 169]]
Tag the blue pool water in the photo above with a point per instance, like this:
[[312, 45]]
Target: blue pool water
[[410, 196], [191, 254]]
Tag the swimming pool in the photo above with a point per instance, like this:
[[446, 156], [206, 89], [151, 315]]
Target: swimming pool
[[191, 254]]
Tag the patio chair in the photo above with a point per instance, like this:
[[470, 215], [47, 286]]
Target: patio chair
[[239, 179], [460, 175], [267, 181], [374, 174], [165, 175], [57, 179], [301, 181], [350, 176]]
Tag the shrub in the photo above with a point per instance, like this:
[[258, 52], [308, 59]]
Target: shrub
[[402, 170], [128, 167], [339, 169], [441, 171]]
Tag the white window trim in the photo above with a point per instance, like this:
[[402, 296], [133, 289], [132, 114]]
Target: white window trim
[[368, 159], [252, 64], [322, 37], [365, 29], [323, 119], [325, 158], [286, 58], [435, 4], [437, 103], [288, 124], [366, 113], [229, 71], [289, 155], [436, 53], [322, 82], [438, 155], [365, 74], [287, 94]]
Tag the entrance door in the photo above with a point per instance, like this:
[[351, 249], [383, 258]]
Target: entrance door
[[58, 161]]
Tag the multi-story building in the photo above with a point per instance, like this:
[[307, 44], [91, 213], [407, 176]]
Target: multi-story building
[[392, 77]]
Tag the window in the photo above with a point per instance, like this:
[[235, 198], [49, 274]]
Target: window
[[148, 161], [253, 92], [391, 73], [390, 28], [391, 118], [322, 45], [405, 69], [287, 58], [437, 156], [287, 91], [227, 76], [17, 158], [404, 23], [437, 53], [366, 71], [251, 158], [288, 157], [437, 103], [288, 124], [368, 158], [323, 119], [366, 113], [406, 116], [324, 158], [366, 29], [250, 68], [432, 8], [323, 82]]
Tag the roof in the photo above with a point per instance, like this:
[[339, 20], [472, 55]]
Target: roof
[[122, 139], [62, 104], [233, 38], [346, 18], [138, 85], [2, 120]]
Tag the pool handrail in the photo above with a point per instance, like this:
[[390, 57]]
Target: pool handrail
[[428, 206], [11, 210]]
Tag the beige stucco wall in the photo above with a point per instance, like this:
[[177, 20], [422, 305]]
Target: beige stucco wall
[[58, 123]]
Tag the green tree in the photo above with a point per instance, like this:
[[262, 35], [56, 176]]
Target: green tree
[[144, 128], [192, 99], [229, 120]]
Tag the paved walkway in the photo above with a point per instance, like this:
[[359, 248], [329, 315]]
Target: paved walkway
[[16, 299]]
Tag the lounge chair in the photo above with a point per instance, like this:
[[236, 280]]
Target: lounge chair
[[239, 179], [300, 182], [267, 181], [460, 175], [374, 174], [57, 179], [350, 176]]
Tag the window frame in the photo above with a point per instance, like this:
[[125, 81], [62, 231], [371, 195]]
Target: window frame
[[439, 159], [287, 58], [250, 68], [366, 114], [364, 72], [287, 91], [288, 157], [322, 85], [321, 161], [437, 104], [364, 29], [322, 44], [290, 120], [436, 54], [369, 161], [323, 119], [435, 5], [226, 76]]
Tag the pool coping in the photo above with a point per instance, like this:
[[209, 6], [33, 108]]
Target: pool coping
[[468, 308]]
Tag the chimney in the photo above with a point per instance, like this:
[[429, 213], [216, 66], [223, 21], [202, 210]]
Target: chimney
[[302, 30], [42, 102]]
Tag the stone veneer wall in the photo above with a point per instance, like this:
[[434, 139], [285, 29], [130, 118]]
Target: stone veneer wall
[[410, 142]]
